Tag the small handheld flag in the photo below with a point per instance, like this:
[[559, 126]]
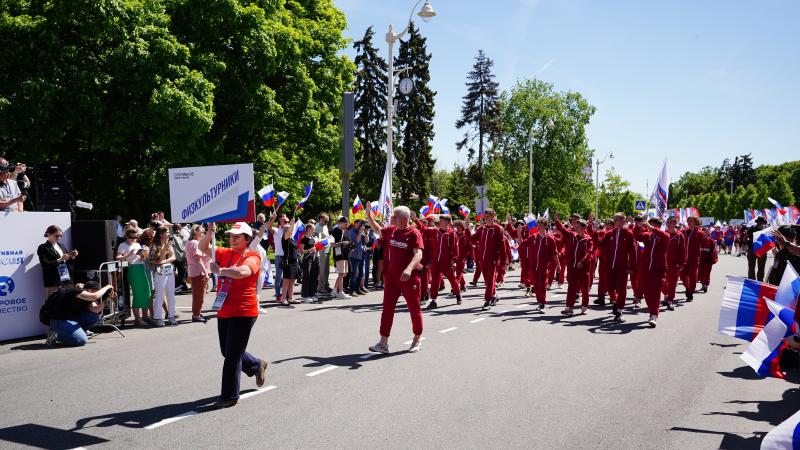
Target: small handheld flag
[[323, 244], [299, 229], [443, 206], [743, 312], [763, 354], [432, 201], [303, 200], [480, 215], [425, 211], [781, 211], [530, 222], [464, 211], [357, 206], [786, 436], [763, 242], [267, 195], [282, 196]]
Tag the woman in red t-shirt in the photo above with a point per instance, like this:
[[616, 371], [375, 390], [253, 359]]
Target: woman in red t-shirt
[[237, 269]]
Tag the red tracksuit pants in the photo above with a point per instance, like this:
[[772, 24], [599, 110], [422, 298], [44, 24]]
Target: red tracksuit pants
[[689, 277], [602, 278], [489, 274], [704, 273], [617, 282], [525, 275], [438, 271], [640, 282], [671, 282], [551, 272], [500, 273], [562, 262], [460, 265], [539, 281], [654, 281], [592, 268], [425, 279], [410, 290], [478, 271], [577, 279]]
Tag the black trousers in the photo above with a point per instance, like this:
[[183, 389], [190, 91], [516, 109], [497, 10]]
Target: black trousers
[[310, 269], [234, 333], [751, 266]]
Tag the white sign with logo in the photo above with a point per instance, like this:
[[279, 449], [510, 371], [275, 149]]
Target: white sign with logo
[[22, 291], [212, 194]]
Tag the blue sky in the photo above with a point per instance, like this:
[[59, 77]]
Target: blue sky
[[691, 81]]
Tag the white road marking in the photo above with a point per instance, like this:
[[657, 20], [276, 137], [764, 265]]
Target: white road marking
[[522, 305], [409, 342], [170, 420], [256, 392], [477, 320], [503, 312], [321, 371], [368, 355], [447, 330]]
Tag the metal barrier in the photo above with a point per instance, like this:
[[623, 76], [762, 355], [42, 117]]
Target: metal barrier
[[115, 312]]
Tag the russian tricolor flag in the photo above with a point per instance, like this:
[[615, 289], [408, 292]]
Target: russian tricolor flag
[[374, 207], [480, 215], [357, 206], [282, 196], [299, 229], [781, 211], [267, 195], [303, 200], [323, 244], [744, 311], [530, 222], [432, 201], [763, 242], [425, 211], [785, 436], [763, 354], [442, 206], [464, 211]]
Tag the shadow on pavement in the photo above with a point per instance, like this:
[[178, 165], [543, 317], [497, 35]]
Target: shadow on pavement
[[370, 307], [730, 441], [723, 345], [743, 373], [353, 361], [47, 437], [772, 412], [141, 418], [598, 325]]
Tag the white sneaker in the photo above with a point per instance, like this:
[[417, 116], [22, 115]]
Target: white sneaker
[[262, 310], [583, 310], [380, 348], [308, 300], [342, 295], [415, 346], [652, 321]]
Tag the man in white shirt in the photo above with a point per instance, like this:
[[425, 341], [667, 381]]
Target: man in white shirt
[[324, 260], [11, 199], [277, 241]]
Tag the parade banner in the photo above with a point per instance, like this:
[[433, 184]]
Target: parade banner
[[22, 291], [212, 194]]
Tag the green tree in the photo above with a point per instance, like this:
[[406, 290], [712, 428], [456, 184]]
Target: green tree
[[460, 190], [480, 111], [370, 121], [414, 119], [560, 152]]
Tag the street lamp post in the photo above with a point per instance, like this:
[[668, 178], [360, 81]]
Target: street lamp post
[[549, 125], [426, 13], [597, 183]]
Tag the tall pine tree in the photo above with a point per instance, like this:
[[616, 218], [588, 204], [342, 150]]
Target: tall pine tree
[[480, 112], [414, 120], [370, 120]]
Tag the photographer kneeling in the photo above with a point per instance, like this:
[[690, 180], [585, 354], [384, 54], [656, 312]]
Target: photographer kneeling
[[73, 311]]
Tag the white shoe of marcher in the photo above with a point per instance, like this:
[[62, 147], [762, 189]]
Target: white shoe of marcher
[[379, 348], [262, 310], [415, 346], [583, 310], [652, 321]]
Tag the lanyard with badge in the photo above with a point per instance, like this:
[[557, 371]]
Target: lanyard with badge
[[225, 284], [63, 270]]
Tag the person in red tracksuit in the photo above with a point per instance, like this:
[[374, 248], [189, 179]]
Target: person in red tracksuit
[[444, 260], [558, 271], [401, 261], [501, 271], [598, 261], [428, 237], [464, 243], [620, 251], [694, 237], [656, 242], [676, 258], [708, 257], [542, 251], [638, 278], [579, 248], [476, 237], [491, 254]]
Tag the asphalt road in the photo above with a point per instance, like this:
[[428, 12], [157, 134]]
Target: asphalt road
[[507, 378]]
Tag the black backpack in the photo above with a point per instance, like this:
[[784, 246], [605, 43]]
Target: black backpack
[[49, 306]]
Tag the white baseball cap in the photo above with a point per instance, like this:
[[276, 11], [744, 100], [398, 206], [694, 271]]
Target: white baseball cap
[[241, 228]]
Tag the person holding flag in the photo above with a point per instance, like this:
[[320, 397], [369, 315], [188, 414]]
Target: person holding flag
[[656, 243], [309, 264], [579, 248], [753, 244], [402, 257]]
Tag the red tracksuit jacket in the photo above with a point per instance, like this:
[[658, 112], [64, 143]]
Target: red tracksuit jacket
[[445, 250], [676, 252], [490, 244], [708, 252], [464, 244], [619, 249], [656, 242], [579, 249], [693, 240], [540, 250]]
